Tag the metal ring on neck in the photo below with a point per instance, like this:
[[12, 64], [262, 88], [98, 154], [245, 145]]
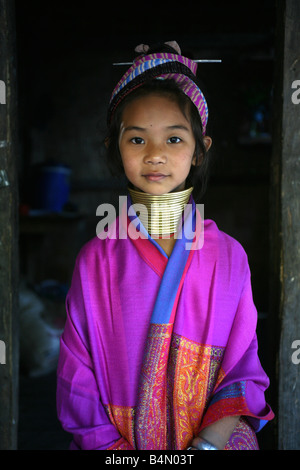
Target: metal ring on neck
[[160, 215]]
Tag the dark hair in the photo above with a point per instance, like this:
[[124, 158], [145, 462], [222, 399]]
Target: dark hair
[[199, 173]]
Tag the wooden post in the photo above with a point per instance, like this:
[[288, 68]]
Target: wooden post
[[285, 212], [8, 231]]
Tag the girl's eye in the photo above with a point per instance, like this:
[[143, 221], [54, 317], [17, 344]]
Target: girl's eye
[[174, 140], [137, 140]]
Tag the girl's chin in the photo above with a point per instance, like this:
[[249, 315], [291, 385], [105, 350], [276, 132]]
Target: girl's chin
[[157, 190]]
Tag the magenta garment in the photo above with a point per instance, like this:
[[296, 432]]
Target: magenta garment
[[113, 345]]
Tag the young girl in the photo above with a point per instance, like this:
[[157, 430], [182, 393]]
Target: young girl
[[159, 349]]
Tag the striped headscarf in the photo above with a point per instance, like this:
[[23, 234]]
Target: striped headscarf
[[161, 65]]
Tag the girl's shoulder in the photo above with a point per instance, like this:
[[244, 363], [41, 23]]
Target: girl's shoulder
[[218, 241], [104, 245]]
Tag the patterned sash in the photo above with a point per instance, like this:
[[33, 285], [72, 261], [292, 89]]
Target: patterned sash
[[152, 423]]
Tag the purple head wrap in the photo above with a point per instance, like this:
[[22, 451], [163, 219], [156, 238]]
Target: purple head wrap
[[161, 65]]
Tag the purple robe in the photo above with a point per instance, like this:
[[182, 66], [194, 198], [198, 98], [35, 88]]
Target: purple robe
[[155, 348]]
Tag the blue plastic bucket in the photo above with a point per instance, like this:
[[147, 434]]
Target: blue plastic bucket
[[53, 187]]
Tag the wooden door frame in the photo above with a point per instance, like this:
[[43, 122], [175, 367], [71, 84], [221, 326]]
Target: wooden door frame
[[9, 371], [285, 226]]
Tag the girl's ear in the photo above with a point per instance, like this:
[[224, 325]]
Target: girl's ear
[[106, 142], [207, 143]]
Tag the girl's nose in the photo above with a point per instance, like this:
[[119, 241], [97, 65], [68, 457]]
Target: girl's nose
[[155, 155]]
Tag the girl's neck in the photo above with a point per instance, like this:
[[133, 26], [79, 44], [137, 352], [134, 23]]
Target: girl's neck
[[167, 244], [161, 214]]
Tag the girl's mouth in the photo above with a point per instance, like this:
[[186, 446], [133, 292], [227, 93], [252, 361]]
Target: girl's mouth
[[155, 176]]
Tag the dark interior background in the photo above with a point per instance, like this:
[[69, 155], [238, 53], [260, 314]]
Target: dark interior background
[[65, 77]]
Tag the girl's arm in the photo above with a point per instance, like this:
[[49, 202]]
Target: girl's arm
[[79, 406], [217, 433]]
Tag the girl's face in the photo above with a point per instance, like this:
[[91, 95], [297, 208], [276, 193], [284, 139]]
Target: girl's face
[[156, 144]]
